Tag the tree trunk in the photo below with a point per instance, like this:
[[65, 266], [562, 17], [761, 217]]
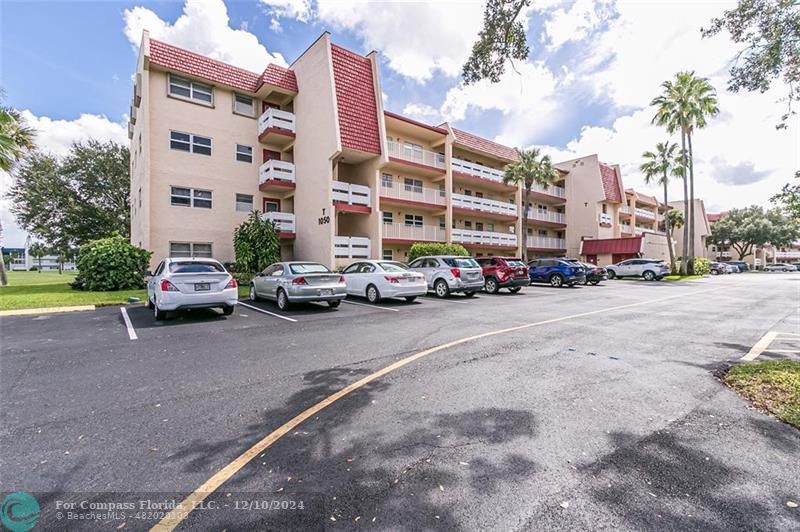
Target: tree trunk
[[524, 236], [691, 204], [3, 277], [667, 228], [685, 246]]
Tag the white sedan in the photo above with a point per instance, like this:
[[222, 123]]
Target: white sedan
[[184, 283], [378, 279]]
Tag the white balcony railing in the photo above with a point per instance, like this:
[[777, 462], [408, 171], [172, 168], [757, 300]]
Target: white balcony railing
[[625, 209], [416, 155], [605, 219], [429, 233], [275, 118], [468, 236], [351, 193], [724, 254], [546, 242], [274, 170], [482, 204], [477, 170], [644, 213], [421, 194], [284, 221], [546, 216], [552, 190], [351, 247], [784, 255], [625, 228]]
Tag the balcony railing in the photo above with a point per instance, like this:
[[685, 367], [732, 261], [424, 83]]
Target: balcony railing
[[282, 171], [418, 155], [786, 255], [477, 170], [644, 213], [625, 209], [482, 204], [546, 242], [625, 228], [284, 221], [351, 193], [430, 233], [421, 194], [468, 236], [724, 254], [546, 216], [605, 219], [552, 190], [275, 118], [351, 247]]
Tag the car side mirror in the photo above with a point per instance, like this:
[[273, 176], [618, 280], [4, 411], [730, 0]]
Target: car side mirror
[[260, 274], [148, 273]]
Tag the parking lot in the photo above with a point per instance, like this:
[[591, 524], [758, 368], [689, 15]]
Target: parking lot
[[586, 407]]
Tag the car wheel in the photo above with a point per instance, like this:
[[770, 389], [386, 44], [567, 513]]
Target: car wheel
[[515, 289], [648, 275], [611, 274], [148, 303], [227, 310], [253, 294], [595, 283], [411, 299], [556, 281], [334, 304], [158, 313], [491, 285], [469, 294], [282, 299], [784, 270], [714, 272], [441, 289], [373, 296]]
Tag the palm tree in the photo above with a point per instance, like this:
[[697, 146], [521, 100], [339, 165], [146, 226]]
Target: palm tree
[[530, 168], [658, 166], [37, 251], [16, 138], [685, 105]]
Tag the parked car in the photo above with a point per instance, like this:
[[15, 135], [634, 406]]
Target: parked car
[[377, 279], [450, 274], [780, 267], [298, 282], [732, 268], [718, 268], [647, 269], [594, 273], [503, 272], [186, 283], [557, 272], [742, 265]]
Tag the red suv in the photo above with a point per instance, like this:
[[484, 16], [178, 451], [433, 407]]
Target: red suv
[[503, 272]]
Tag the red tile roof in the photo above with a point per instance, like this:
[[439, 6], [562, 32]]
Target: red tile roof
[[644, 198], [714, 216], [355, 100], [479, 144], [610, 183], [415, 122], [602, 246], [180, 60]]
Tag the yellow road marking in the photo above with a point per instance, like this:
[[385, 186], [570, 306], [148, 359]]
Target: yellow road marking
[[760, 346], [178, 514], [48, 310]]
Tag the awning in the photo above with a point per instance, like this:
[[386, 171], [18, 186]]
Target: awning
[[603, 246]]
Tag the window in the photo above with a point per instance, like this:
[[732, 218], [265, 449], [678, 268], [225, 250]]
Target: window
[[190, 197], [413, 220], [461, 262], [195, 267], [392, 266], [386, 180], [479, 194], [272, 205], [387, 217], [353, 268], [479, 226], [441, 190], [467, 192], [412, 185], [244, 202], [467, 225], [244, 153], [442, 222], [605, 209], [243, 105], [490, 227], [192, 90], [412, 151], [189, 249], [190, 143], [542, 232], [308, 267], [387, 254]]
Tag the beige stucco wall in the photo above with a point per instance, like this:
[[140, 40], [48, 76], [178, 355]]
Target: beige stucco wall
[[140, 155], [701, 229]]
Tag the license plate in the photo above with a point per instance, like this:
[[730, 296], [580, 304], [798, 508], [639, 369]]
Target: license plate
[[326, 292], [200, 287]]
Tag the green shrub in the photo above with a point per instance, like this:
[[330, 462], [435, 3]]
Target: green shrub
[[422, 249], [243, 278], [702, 266], [256, 244], [111, 263]]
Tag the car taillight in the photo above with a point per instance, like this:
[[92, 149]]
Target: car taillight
[[167, 286], [501, 275], [392, 278], [299, 280], [456, 272], [341, 279], [232, 283]]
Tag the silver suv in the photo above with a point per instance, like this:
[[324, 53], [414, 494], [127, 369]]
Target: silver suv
[[449, 274], [647, 269]]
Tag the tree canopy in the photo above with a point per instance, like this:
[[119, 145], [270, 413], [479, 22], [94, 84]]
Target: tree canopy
[[501, 40], [256, 244], [788, 199], [745, 229]]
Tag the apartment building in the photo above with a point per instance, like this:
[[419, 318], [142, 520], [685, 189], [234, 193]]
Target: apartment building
[[702, 228], [760, 256]]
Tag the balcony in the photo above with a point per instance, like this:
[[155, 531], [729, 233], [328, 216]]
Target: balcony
[[351, 247], [625, 228], [644, 213], [724, 254], [417, 157], [284, 222], [625, 210], [415, 233], [462, 201], [350, 197], [550, 190], [276, 127], [546, 242], [425, 195], [484, 238], [276, 174], [478, 170], [605, 219], [544, 215], [785, 255]]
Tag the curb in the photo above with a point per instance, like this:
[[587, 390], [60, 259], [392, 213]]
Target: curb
[[51, 310]]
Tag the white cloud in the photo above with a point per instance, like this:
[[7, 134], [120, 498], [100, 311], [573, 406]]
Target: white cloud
[[423, 112], [296, 9], [56, 137], [575, 23], [204, 27]]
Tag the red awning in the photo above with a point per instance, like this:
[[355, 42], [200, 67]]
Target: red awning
[[605, 246]]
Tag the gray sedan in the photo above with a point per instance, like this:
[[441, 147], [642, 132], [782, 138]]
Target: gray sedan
[[298, 282]]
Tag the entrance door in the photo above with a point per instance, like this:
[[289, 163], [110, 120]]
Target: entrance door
[[269, 155]]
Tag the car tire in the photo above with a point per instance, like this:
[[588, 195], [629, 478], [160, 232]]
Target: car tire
[[253, 294], [158, 313], [148, 303], [491, 286], [441, 289], [594, 283], [227, 310], [714, 272], [282, 299], [411, 299], [611, 274], [469, 294], [373, 295], [334, 304], [648, 275], [556, 280], [515, 289]]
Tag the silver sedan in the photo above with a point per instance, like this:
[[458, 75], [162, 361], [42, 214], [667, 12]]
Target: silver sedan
[[298, 282]]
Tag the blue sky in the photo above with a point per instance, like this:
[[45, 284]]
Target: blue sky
[[593, 68]]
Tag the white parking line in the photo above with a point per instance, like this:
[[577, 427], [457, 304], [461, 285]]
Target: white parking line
[[287, 318], [370, 306], [128, 324], [760, 346]]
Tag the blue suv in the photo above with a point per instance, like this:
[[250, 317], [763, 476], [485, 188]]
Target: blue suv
[[557, 272]]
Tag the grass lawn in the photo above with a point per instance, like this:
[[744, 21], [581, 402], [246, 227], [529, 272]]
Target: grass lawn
[[51, 289], [682, 277], [772, 385]]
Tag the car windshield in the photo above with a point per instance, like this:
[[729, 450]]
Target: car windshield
[[195, 267], [308, 267], [514, 263], [393, 266], [461, 262]]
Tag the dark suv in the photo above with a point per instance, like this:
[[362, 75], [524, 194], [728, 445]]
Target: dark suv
[[557, 272], [594, 273], [503, 272]]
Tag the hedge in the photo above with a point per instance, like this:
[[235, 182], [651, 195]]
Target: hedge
[[422, 249], [111, 263]]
